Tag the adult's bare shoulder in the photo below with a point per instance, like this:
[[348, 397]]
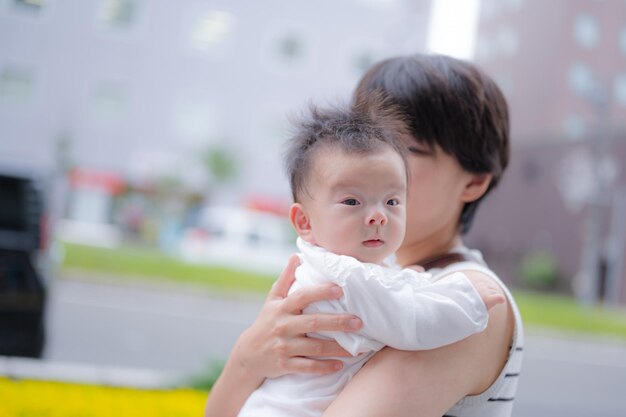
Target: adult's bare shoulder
[[479, 359], [488, 350]]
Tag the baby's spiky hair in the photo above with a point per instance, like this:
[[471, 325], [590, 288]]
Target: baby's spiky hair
[[367, 126]]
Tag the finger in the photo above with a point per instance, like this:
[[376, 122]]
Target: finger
[[308, 346], [286, 278], [417, 268], [313, 366], [492, 299], [311, 323], [301, 298]]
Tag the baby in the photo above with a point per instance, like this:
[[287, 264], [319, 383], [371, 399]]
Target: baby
[[349, 177]]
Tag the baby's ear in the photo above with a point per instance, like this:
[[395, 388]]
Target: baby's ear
[[300, 221]]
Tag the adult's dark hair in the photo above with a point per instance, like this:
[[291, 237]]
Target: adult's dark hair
[[449, 103], [367, 126]]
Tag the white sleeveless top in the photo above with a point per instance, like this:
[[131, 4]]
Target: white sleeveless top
[[498, 399]]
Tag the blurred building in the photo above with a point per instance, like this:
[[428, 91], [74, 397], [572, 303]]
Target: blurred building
[[562, 66], [551, 57], [145, 88]]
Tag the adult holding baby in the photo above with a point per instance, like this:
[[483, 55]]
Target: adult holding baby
[[458, 149]]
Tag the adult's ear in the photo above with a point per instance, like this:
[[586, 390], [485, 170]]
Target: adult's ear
[[476, 187], [300, 221]]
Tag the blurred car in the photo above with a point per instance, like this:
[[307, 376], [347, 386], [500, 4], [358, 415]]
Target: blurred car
[[240, 238], [23, 287]]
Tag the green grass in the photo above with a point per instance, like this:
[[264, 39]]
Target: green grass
[[538, 309], [564, 313], [149, 264], [206, 377]]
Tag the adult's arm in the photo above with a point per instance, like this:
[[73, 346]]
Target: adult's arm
[[428, 383], [276, 343]]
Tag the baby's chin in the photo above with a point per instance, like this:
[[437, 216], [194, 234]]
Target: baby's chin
[[377, 257], [371, 254]]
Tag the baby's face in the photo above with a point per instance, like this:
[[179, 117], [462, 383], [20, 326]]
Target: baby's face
[[357, 203]]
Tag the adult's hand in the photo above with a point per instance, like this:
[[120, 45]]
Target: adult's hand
[[276, 343]]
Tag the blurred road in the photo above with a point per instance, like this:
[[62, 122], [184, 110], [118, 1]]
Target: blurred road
[[569, 376], [181, 330], [168, 329]]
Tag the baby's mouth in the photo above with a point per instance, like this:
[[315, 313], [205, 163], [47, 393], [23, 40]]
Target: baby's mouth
[[373, 243]]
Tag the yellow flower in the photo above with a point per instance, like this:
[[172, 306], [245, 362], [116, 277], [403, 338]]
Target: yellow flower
[[58, 399]]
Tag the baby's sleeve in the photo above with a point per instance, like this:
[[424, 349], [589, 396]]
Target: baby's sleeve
[[416, 317]]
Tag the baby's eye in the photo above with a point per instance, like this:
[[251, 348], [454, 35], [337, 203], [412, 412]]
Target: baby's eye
[[350, 202], [392, 202]]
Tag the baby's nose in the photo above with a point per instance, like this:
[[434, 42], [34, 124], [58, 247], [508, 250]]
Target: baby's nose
[[377, 218]]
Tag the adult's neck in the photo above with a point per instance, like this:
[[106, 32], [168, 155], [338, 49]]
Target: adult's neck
[[436, 245]]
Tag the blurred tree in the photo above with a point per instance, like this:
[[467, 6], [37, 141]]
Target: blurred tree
[[168, 185], [205, 379], [220, 164], [539, 270]]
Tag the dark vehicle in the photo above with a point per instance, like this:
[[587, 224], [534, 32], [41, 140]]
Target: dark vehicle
[[22, 284]]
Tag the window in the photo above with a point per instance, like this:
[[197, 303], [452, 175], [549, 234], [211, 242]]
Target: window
[[586, 31], [118, 14], [211, 28], [574, 127], [16, 85], [208, 33], [287, 48], [580, 79]]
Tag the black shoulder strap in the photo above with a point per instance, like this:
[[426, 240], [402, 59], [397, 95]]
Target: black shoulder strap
[[445, 260]]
